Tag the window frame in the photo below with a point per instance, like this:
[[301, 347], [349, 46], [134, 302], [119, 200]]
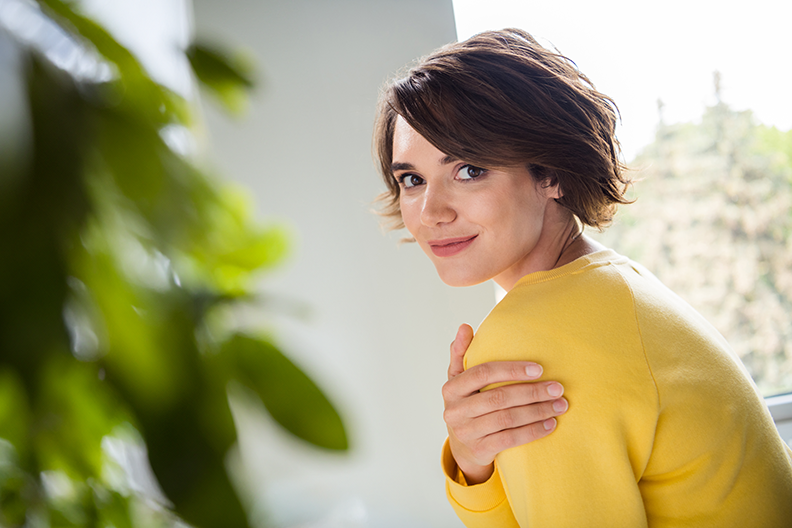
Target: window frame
[[780, 408]]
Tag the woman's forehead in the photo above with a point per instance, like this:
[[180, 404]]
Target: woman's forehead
[[410, 147]]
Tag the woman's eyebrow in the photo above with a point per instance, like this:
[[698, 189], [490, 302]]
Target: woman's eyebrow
[[401, 166]]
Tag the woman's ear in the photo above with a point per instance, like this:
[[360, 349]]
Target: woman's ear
[[551, 188], [547, 181], [554, 191]]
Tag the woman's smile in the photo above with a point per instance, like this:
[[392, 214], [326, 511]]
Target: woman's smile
[[448, 247]]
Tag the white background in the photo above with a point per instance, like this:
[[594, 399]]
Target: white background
[[638, 52]]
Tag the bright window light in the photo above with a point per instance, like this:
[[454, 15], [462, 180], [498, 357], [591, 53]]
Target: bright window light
[[642, 52]]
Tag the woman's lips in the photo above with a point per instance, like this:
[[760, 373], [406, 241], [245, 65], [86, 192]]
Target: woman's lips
[[448, 247]]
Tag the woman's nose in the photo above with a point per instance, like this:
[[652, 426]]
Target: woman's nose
[[437, 207]]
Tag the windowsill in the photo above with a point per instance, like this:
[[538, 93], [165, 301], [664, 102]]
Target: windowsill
[[781, 411]]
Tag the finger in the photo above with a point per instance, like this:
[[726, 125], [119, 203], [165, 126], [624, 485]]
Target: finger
[[476, 378], [458, 348], [516, 417], [511, 396], [518, 436]]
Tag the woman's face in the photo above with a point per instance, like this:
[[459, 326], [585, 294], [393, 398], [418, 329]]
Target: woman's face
[[474, 224]]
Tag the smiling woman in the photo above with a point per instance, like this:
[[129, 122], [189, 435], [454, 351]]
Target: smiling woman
[[496, 152], [497, 215]]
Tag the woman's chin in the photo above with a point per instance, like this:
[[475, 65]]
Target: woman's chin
[[459, 279]]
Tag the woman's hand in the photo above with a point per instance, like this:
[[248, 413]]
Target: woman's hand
[[481, 425]]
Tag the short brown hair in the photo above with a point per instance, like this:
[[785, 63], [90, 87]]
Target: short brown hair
[[500, 99]]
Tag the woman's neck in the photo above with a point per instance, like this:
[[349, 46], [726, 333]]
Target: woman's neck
[[581, 246], [562, 243]]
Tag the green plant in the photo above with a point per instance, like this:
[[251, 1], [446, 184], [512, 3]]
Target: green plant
[[120, 260]]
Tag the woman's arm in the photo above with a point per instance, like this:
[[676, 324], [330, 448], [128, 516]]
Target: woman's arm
[[481, 425]]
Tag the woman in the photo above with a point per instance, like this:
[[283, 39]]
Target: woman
[[496, 152]]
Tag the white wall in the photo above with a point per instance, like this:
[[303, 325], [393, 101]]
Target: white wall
[[381, 323]]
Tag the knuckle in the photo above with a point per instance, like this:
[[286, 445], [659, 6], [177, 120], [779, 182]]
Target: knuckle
[[447, 391], [533, 392], [482, 373], [449, 416], [502, 441], [464, 433], [496, 398], [517, 371], [504, 420], [480, 451]]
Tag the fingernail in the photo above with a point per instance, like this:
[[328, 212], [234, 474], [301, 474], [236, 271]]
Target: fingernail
[[560, 405], [549, 424], [533, 371], [555, 390]]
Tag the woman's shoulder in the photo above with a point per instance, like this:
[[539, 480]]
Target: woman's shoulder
[[576, 311], [579, 323], [591, 286], [601, 309]]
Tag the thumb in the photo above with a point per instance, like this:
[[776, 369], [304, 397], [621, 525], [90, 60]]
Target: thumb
[[458, 348]]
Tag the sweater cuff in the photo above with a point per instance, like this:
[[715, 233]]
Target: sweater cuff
[[476, 498]]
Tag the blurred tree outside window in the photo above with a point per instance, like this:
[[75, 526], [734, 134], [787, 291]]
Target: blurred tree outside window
[[122, 263], [713, 220]]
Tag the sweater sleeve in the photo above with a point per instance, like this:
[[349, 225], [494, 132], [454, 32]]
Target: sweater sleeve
[[586, 472], [482, 505]]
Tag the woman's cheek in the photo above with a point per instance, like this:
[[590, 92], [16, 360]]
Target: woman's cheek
[[409, 214]]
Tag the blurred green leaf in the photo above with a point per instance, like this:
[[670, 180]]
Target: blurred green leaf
[[15, 413], [78, 410], [190, 466], [134, 328], [290, 396], [113, 509], [118, 250], [14, 486], [141, 98], [227, 76], [70, 501], [43, 218]]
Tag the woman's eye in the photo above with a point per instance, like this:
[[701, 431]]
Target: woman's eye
[[469, 172], [410, 180]]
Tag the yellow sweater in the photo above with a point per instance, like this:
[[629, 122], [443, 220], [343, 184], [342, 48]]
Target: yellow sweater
[[664, 426]]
